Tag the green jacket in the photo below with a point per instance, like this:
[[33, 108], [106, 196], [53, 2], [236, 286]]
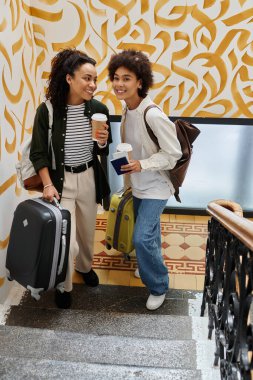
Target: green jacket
[[41, 156]]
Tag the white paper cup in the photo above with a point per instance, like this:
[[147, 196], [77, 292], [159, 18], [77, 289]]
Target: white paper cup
[[127, 148], [97, 122]]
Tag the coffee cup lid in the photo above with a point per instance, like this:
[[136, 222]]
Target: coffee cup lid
[[124, 147], [99, 117]]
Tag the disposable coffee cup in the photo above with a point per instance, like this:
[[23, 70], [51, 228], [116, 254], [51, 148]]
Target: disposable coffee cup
[[97, 122], [127, 148]]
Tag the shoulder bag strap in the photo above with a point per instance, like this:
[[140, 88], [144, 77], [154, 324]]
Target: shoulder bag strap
[[50, 124]]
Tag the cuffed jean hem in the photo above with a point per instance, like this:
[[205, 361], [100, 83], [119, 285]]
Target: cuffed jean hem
[[147, 243]]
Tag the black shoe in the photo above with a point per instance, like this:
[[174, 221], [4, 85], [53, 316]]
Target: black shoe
[[63, 300], [90, 278]]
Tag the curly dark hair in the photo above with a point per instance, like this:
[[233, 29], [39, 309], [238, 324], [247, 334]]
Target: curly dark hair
[[134, 61], [67, 61]]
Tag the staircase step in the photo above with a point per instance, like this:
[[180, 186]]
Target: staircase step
[[52, 369], [123, 299], [106, 323], [18, 342]]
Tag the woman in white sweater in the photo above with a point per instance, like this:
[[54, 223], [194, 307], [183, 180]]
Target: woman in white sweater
[[131, 75]]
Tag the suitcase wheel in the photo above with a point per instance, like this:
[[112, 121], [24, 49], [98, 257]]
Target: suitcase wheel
[[35, 292], [108, 246], [36, 297], [8, 275]]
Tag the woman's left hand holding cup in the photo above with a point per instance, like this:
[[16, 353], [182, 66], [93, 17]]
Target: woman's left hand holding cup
[[102, 135]]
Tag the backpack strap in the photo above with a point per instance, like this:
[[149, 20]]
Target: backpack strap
[[50, 124], [149, 130], [155, 140], [123, 122]]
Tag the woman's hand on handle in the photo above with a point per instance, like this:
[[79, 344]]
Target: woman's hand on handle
[[49, 192]]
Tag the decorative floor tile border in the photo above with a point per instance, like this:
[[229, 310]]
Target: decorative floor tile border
[[174, 266], [186, 239]]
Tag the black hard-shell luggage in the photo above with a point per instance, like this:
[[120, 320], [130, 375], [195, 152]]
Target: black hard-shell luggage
[[37, 255]]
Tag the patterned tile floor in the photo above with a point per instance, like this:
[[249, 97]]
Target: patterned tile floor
[[183, 247]]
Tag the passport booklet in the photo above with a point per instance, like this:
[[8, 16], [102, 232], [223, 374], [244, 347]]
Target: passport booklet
[[118, 160]]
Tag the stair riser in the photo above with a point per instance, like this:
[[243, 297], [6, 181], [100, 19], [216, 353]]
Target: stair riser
[[131, 325]]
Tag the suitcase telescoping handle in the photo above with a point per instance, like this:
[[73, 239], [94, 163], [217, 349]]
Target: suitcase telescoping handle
[[63, 237], [63, 246]]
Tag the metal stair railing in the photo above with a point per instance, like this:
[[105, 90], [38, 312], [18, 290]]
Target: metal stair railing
[[228, 289]]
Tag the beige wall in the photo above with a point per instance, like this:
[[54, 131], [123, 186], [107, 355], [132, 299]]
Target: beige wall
[[202, 57]]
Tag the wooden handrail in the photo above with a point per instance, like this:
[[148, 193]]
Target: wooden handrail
[[229, 214], [230, 205]]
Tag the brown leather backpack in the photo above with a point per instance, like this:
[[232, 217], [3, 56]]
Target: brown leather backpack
[[186, 134]]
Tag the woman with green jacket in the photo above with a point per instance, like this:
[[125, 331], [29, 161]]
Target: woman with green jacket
[[69, 168]]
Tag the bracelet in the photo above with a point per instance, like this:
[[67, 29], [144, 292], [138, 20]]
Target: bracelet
[[44, 187]]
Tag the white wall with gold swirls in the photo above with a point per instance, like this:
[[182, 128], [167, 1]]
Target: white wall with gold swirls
[[201, 51]]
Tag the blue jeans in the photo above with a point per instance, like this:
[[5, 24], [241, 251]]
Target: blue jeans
[[147, 243]]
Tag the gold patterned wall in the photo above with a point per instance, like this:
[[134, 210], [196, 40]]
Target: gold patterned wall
[[20, 91], [201, 51]]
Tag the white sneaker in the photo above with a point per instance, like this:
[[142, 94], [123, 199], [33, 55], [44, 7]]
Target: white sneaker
[[154, 302], [136, 273]]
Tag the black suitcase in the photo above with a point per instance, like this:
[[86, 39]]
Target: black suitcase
[[38, 250]]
